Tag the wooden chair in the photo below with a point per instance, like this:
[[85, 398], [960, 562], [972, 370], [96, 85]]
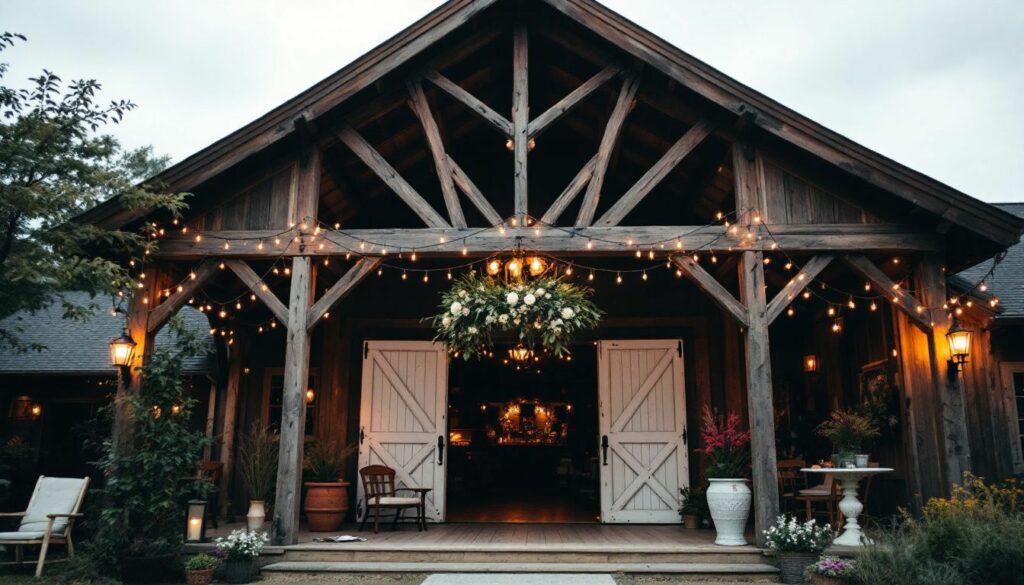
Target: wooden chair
[[379, 492], [210, 472], [52, 510], [827, 493], [791, 481]]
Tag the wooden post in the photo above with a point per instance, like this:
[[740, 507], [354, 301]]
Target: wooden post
[[130, 378], [227, 445], [520, 117], [293, 403], [761, 409], [949, 392]]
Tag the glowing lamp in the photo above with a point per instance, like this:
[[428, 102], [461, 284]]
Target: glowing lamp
[[959, 343], [121, 350], [494, 267], [514, 267], [195, 521], [810, 364], [310, 395], [537, 265], [519, 353]]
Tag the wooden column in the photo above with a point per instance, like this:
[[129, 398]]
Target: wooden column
[[950, 396], [293, 403], [758, 368], [130, 379], [520, 117], [227, 445]]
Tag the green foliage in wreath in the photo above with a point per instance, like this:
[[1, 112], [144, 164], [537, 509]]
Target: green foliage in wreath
[[540, 313]]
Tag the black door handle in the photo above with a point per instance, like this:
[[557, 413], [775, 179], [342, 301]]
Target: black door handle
[[604, 448], [440, 449], [362, 435]]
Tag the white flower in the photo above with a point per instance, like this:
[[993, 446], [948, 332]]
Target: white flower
[[529, 299], [541, 292], [489, 319], [567, 313], [517, 321], [503, 318], [523, 308], [446, 321], [456, 308], [512, 298], [463, 294], [465, 311], [556, 323], [472, 330]]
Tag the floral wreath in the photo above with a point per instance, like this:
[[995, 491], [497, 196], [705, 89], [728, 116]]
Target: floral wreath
[[544, 312]]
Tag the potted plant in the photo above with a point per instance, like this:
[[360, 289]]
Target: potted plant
[[728, 494], [326, 493], [240, 550], [831, 570], [797, 545], [199, 569], [848, 431], [690, 508], [257, 463]]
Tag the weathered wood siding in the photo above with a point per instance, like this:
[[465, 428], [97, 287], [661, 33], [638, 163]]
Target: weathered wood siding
[[261, 205], [793, 199]]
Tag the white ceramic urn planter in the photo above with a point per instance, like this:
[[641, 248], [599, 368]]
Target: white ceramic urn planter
[[256, 516], [729, 501]]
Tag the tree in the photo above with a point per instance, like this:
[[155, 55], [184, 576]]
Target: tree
[[55, 163]]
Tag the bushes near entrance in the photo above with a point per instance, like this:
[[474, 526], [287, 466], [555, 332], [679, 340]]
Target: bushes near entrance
[[974, 537]]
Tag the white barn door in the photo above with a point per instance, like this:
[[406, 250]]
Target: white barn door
[[403, 416], [643, 453]]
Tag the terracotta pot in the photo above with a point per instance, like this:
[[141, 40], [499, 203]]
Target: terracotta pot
[[326, 504], [203, 577], [691, 521]]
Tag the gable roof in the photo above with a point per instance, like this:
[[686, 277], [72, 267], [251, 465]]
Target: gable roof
[[82, 347], [951, 205], [1007, 280]]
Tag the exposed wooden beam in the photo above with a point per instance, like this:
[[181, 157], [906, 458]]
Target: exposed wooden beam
[[473, 193], [797, 284], [612, 131], [285, 527], [360, 270], [164, 311], [520, 117], [419, 105], [707, 283], [569, 194], [567, 103], [601, 240], [259, 288], [470, 101], [369, 155], [898, 295], [684, 146]]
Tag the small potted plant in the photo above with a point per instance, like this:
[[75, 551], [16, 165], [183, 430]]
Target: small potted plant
[[257, 464], [831, 570], [241, 548], [326, 493], [729, 497], [199, 569], [689, 508], [848, 431], [797, 545]]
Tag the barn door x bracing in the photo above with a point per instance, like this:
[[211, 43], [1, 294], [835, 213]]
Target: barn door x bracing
[[403, 416], [644, 460]]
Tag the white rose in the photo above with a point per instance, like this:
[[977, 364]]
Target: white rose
[[465, 312], [456, 308], [556, 323], [503, 319], [489, 319], [446, 321], [567, 313], [463, 294], [512, 298], [529, 299], [541, 292], [472, 330]]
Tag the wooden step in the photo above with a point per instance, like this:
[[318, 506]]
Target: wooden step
[[692, 569], [579, 555]]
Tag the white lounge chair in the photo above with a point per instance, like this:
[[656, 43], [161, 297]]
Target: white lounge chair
[[55, 505]]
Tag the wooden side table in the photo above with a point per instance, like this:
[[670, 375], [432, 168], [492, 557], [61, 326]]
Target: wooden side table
[[421, 518]]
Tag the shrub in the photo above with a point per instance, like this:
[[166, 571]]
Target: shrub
[[201, 562], [725, 445], [974, 537], [829, 566], [848, 430], [242, 545]]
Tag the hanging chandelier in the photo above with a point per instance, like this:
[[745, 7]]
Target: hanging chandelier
[[517, 266]]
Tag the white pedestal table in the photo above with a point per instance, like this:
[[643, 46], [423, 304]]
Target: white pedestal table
[[850, 506]]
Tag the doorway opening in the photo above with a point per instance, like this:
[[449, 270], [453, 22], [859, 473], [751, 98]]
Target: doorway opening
[[522, 433]]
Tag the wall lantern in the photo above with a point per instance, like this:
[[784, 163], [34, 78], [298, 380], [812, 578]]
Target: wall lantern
[[810, 364], [959, 344], [310, 395], [36, 410], [121, 350], [195, 521]]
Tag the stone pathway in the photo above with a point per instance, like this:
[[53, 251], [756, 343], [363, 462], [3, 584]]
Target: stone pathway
[[522, 579]]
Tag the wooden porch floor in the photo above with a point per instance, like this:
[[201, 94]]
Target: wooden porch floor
[[517, 537]]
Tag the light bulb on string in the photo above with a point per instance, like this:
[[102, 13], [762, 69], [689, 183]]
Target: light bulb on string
[[644, 275], [618, 278], [873, 306]]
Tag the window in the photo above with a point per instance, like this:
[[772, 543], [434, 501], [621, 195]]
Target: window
[[274, 391], [1013, 377]]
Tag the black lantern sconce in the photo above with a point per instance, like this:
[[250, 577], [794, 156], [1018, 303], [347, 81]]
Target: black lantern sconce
[[195, 521]]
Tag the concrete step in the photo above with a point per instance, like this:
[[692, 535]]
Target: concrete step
[[690, 568], [581, 556]]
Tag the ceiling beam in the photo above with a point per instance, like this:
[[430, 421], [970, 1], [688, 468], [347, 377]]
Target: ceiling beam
[[259, 288], [566, 104], [569, 193], [339, 290], [501, 123], [162, 312], [796, 285], [896, 294], [707, 283], [419, 105]]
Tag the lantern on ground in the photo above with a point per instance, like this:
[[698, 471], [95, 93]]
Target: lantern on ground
[[121, 350], [959, 340], [195, 521]]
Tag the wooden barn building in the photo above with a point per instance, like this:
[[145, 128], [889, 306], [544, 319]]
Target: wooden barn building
[[727, 238]]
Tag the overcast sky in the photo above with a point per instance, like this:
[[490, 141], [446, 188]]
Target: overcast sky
[[934, 84]]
